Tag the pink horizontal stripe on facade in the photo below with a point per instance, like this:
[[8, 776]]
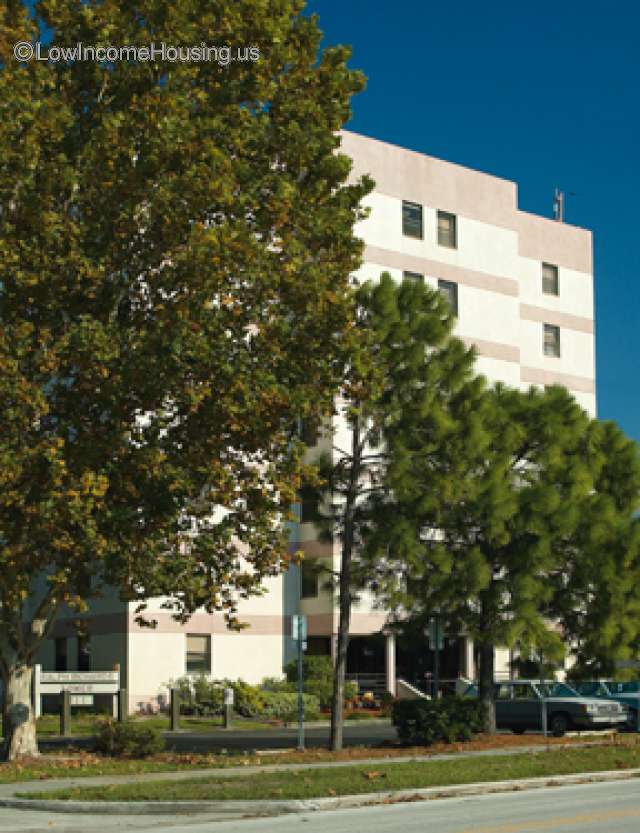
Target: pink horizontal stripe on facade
[[560, 319], [494, 350], [538, 376], [257, 625], [409, 175], [432, 268], [544, 239], [321, 624]]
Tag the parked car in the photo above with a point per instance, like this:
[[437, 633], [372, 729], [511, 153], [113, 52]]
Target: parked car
[[628, 694], [519, 707]]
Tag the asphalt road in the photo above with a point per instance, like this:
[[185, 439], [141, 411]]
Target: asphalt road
[[612, 807], [355, 734]]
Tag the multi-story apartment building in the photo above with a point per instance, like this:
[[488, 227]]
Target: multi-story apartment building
[[522, 286]]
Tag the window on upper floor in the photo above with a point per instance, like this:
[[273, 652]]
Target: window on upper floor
[[447, 230], [198, 658], [412, 219], [309, 509], [450, 291], [309, 580], [550, 281], [412, 276], [551, 344]]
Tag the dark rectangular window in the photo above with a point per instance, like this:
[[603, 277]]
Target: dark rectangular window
[[412, 219], [450, 291], [309, 510], [551, 345], [198, 660], [318, 646], [61, 654], [550, 281], [412, 276], [309, 580], [447, 230], [84, 653]]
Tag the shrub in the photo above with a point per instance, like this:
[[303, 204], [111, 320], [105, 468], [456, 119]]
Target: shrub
[[284, 706], [248, 700], [199, 696], [130, 739], [318, 678], [386, 702], [423, 722], [278, 684], [313, 668], [350, 691]]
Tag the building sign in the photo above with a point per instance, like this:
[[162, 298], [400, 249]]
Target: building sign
[[82, 685]]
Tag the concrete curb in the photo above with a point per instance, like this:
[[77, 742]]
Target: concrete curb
[[236, 809]]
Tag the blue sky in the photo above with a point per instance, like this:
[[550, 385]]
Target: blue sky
[[545, 94]]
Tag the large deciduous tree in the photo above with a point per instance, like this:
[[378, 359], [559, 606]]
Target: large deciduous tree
[[175, 245], [406, 359]]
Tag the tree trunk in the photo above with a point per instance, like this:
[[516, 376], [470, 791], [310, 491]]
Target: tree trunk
[[337, 706], [20, 724], [486, 690], [340, 670]]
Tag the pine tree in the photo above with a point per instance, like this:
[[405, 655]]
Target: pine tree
[[406, 359], [474, 514], [597, 581]]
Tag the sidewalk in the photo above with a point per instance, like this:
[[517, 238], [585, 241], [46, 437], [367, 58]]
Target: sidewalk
[[227, 809]]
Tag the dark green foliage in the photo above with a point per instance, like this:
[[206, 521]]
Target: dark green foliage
[[317, 676], [597, 581], [130, 739], [387, 701], [407, 360], [248, 700], [424, 722], [284, 705], [313, 668]]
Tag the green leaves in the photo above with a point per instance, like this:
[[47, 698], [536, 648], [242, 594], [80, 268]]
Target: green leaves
[[175, 248]]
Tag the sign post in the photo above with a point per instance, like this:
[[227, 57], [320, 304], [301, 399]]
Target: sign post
[[228, 707], [174, 710], [299, 633], [65, 713]]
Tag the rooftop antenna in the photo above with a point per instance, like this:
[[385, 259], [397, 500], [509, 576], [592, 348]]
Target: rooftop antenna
[[558, 205]]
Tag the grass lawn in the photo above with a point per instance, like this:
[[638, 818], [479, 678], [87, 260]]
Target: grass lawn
[[314, 783]]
